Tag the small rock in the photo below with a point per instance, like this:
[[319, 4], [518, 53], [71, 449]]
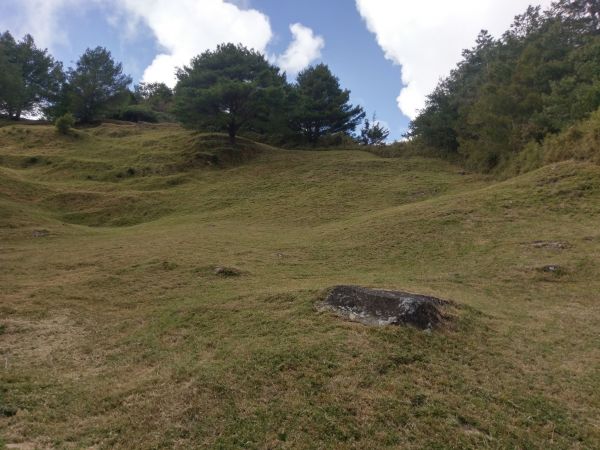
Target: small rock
[[382, 307], [554, 245], [6, 411], [40, 233], [227, 271], [552, 268]]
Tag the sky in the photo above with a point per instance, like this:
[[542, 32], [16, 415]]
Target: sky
[[389, 53]]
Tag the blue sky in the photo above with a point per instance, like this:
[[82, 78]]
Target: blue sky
[[389, 53], [351, 52]]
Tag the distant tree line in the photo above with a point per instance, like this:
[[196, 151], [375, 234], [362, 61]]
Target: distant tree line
[[539, 78], [231, 89]]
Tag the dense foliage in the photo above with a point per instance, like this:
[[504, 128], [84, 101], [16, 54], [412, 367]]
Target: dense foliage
[[97, 85], [495, 110], [234, 89], [540, 77], [373, 132], [65, 123], [321, 107], [229, 89], [30, 78], [155, 96]]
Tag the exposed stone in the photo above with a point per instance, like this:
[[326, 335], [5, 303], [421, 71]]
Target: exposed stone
[[383, 307], [552, 268], [227, 271], [40, 233]]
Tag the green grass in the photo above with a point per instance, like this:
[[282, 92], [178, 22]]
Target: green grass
[[116, 333]]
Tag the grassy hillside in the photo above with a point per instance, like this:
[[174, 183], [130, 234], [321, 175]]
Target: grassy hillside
[[116, 332]]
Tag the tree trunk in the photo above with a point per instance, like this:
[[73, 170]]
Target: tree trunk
[[314, 136], [232, 132]]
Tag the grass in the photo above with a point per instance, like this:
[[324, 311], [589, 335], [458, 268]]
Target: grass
[[117, 333]]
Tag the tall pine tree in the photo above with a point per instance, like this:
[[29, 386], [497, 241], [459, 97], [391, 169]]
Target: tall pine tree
[[229, 89], [322, 107]]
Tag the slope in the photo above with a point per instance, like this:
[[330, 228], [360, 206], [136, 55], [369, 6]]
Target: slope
[[116, 333]]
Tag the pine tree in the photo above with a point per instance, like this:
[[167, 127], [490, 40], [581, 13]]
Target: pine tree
[[322, 106], [30, 78], [97, 86], [373, 133], [229, 89]]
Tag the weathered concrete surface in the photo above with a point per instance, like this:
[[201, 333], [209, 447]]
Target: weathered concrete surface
[[382, 307]]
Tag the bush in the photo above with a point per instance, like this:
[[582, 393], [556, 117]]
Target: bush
[[138, 113], [580, 142], [64, 123], [337, 140]]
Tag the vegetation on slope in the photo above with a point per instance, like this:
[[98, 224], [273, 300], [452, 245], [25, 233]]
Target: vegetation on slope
[[541, 77], [231, 89], [580, 142], [116, 333]]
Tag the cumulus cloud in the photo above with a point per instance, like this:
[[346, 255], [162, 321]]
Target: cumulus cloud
[[185, 28], [302, 51], [182, 28], [37, 17], [427, 38]]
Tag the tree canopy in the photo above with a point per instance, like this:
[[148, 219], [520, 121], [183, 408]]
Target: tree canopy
[[29, 77], [157, 96], [373, 132], [229, 89], [97, 85], [540, 77], [321, 106]]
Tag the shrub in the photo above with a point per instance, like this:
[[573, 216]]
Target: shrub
[[138, 113], [580, 142], [64, 123], [337, 140]]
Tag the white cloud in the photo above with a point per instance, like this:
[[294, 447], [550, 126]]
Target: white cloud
[[39, 18], [427, 38], [244, 4], [186, 28], [302, 51], [182, 28], [382, 123]]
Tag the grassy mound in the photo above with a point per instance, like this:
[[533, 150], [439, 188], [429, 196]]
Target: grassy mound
[[116, 331], [81, 172]]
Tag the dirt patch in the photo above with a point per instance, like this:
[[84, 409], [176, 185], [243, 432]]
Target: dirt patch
[[38, 341], [380, 307], [23, 446], [552, 245]]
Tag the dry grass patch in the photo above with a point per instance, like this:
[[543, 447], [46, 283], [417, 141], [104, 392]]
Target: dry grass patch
[[122, 336]]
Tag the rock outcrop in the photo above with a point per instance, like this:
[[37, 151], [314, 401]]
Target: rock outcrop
[[383, 307]]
